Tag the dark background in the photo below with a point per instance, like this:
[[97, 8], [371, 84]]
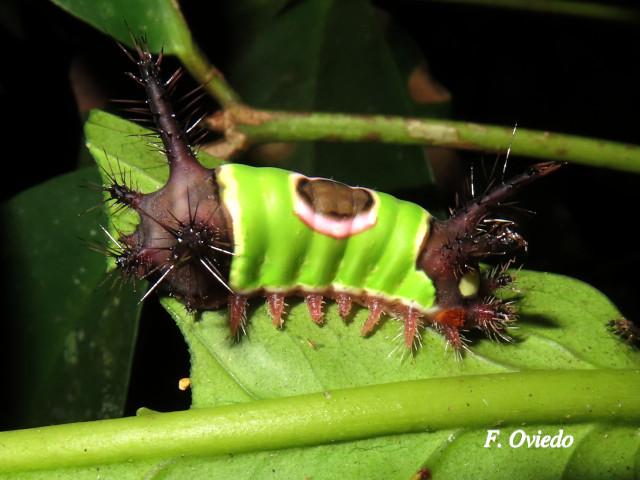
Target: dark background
[[556, 73]]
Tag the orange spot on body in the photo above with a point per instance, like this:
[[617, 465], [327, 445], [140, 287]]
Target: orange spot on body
[[451, 317]]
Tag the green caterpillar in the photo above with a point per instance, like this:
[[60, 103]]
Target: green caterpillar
[[219, 237], [295, 234]]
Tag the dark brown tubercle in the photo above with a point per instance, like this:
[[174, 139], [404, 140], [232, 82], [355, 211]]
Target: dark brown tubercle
[[458, 245], [184, 242]]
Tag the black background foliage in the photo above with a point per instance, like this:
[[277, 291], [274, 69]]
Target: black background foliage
[[547, 72]]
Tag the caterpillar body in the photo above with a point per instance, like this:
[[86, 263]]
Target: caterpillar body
[[218, 237]]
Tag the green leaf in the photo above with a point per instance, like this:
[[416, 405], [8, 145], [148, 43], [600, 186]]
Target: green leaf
[[164, 29], [74, 334], [160, 20], [300, 59], [563, 325]]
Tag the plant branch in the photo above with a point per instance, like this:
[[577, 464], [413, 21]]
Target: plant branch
[[260, 126], [243, 125], [209, 76], [476, 401], [596, 11]]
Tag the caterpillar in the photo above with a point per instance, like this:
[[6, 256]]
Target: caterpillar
[[219, 237]]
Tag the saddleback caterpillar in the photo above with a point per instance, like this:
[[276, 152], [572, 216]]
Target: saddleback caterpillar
[[218, 237]]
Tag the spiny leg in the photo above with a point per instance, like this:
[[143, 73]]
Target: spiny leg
[[376, 309], [314, 304], [344, 302], [450, 321], [275, 304], [412, 325], [237, 314], [492, 316]]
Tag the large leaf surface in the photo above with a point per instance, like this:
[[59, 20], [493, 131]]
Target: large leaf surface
[[74, 334], [159, 20], [563, 325], [555, 331]]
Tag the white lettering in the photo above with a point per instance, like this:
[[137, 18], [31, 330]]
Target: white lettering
[[523, 438], [492, 436], [520, 438], [556, 440]]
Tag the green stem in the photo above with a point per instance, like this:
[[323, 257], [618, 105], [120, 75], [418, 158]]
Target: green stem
[[197, 63], [270, 126], [543, 397], [212, 79], [573, 8]]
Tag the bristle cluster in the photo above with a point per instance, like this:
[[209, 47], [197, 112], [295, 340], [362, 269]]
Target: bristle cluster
[[493, 317], [118, 189], [626, 330]]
